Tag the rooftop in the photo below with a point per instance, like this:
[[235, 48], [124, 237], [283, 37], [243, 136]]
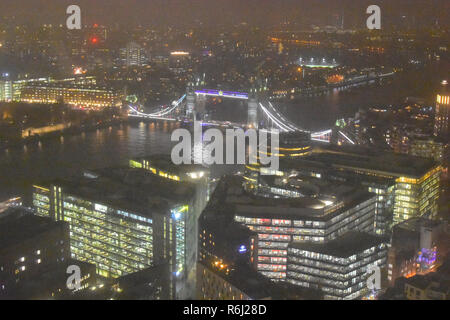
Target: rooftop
[[18, 225], [387, 163], [339, 199], [257, 286], [414, 224], [351, 243], [164, 162], [128, 189], [311, 164]]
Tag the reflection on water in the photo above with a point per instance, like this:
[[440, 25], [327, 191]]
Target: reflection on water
[[321, 112], [57, 157], [116, 145]]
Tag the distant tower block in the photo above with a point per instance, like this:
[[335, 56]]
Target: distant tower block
[[190, 102], [442, 113], [252, 110]]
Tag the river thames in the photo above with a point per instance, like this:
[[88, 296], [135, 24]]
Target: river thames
[[114, 146]]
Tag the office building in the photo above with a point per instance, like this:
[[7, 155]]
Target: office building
[[442, 115], [339, 267], [133, 55], [333, 211], [6, 90], [179, 61], [406, 186], [29, 246], [87, 97], [195, 175], [125, 220], [226, 267], [153, 283]]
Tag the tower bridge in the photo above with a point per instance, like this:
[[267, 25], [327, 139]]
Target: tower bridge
[[187, 107]]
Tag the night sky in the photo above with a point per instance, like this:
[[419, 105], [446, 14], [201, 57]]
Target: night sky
[[222, 12]]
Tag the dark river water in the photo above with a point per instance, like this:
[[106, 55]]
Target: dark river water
[[90, 150], [115, 146]]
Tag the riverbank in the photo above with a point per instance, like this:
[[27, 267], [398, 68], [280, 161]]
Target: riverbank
[[72, 130]]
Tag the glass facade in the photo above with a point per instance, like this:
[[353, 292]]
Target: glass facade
[[417, 197], [116, 241], [274, 235], [178, 217], [384, 206], [338, 277], [87, 97]]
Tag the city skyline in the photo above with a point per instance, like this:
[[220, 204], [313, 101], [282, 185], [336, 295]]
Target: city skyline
[[224, 150], [225, 12]]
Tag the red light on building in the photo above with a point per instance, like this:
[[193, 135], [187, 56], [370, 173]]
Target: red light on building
[[94, 40]]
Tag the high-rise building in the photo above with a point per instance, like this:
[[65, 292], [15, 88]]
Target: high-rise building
[[29, 245], [442, 115], [332, 211], [226, 247], [428, 147], [6, 90], [149, 284], [252, 120], [226, 269], [406, 186], [339, 267], [221, 280], [198, 177], [71, 92], [133, 55], [190, 102], [51, 282], [125, 220]]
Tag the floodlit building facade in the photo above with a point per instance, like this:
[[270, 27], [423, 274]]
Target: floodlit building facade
[[442, 115], [340, 268], [406, 186], [277, 222], [82, 92], [6, 90], [82, 97], [125, 220]]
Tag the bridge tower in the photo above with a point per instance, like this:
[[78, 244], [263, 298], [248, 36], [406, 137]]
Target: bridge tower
[[190, 101], [200, 104], [252, 121]]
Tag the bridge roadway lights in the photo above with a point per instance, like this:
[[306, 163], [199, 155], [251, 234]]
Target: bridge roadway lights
[[195, 102]]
